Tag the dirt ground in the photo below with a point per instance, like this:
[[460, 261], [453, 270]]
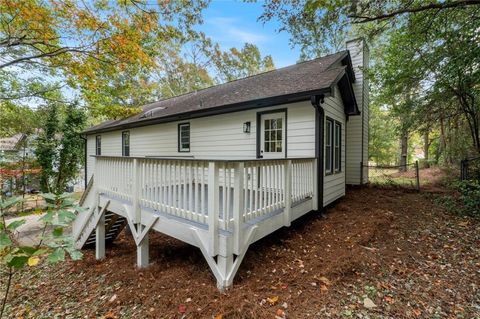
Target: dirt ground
[[374, 254]]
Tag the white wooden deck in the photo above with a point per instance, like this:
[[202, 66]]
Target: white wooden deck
[[219, 206]]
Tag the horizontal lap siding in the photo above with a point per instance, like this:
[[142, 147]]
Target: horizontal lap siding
[[355, 137], [214, 137], [334, 184], [90, 159]]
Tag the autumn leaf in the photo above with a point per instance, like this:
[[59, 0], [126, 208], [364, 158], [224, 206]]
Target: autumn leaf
[[272, 300], [325, 281], [33, 261]]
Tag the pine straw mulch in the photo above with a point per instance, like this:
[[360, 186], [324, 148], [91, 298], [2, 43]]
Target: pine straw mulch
[[396, 248]]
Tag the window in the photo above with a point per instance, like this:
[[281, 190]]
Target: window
[[328, 146], [126, 143], [273, 135], [184, 137], [98, 145], [337, 147], [333, 146]]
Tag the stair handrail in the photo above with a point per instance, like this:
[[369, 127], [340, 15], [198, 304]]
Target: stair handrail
[[87, 218], [87, 190]]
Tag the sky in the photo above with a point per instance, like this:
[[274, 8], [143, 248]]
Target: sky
[[232, 23]]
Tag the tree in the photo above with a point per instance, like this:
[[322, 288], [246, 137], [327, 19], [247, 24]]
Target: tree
[[428, 51], [84, 44], [235, 64], [47, 146], [71, 153], [16, 119], [59, 148]]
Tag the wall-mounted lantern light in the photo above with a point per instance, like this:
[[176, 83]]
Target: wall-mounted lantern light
[[246, 127]]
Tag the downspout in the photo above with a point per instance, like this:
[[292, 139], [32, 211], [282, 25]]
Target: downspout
[[316, 101], [84, 138]]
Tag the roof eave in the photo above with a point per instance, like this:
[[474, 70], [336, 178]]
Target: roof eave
[[222, 109]]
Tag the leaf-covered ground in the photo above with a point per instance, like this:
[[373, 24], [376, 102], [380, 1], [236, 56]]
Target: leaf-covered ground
[[375, 254]]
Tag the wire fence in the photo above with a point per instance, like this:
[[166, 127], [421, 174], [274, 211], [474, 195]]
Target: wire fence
[[396, 176], [470, 169]]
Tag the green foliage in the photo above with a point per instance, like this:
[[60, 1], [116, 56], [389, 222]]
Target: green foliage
[[425, 62], [467, 202], [58, 216], [59, 148], [15, 119], [235, 64], [383, 146]]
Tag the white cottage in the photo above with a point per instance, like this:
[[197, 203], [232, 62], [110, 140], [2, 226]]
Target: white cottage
[[223, 167]]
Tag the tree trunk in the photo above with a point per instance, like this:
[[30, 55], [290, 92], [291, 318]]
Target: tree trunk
[[426, 146], [443, 142], [403, 151]]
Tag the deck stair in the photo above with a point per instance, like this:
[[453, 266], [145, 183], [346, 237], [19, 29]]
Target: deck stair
[[114, 224], [84, 228]]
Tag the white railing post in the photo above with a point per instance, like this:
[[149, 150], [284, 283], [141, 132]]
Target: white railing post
[[238, 207], [213, 207], [287, 213], [136, 191], [315, 185]]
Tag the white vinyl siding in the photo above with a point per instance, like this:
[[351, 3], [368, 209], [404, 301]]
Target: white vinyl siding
[[357, 126], [334, 184], [222, 137]]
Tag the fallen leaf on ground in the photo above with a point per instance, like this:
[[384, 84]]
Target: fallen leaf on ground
[[272, 300], [182, 308], [368, 303]]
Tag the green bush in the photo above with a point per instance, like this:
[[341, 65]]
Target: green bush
[[465, 201], [470, 197]]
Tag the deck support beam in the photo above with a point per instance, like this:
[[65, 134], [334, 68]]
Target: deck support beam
[[224, 266], [100, 238], [142, 249]]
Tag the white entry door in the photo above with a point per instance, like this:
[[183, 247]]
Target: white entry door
[[272, 135]]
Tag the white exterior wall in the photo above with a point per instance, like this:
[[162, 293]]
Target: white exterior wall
[[334, 184], [214, 137], [357, 126], [222, 137]]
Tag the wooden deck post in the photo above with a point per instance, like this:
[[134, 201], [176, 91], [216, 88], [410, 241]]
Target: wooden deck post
[[315, 185], [225, 265], [100, 237], [136, 191], [287, 213], [238, 207], [213, 208], [142, 249]]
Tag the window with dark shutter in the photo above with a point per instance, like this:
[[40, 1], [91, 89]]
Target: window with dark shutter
[[98, 145], [328, 146], [126, 143], [184, 137], [338, 147]]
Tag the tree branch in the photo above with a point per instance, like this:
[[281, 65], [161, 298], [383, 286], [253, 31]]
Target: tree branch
[[431, 6]]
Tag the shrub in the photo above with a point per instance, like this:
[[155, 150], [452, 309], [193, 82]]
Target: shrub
[[466, 201], [470, 197]]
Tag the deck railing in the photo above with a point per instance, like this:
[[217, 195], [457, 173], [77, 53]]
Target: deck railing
[[212, 192]]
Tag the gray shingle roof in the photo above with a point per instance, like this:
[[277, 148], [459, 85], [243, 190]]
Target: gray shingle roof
[[305, 77]]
